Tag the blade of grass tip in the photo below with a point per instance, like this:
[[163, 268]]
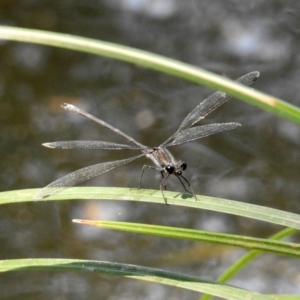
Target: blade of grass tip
[[247, 258], [289, 249]]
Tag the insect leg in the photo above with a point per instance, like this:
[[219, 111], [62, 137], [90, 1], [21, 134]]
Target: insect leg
[[142, 172], [163, 186], [191, 189]]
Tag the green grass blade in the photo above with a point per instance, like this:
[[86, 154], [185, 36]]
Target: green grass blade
[[131, 271], [285, 297], [247, 258], [154, 196], [272, 246], [155, 62], [244, 260]]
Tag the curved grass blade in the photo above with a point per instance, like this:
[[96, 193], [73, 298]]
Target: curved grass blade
[[131, 271], [252, 211], [285, 297], [272, 246], [155, 62]]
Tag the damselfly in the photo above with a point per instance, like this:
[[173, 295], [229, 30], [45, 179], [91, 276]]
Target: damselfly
[[163, 160]]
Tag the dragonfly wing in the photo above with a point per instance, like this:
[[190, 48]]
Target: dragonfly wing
[[203, 109], [198, 132], [81, 175], [76, 110], [90, 145], [210, 104]]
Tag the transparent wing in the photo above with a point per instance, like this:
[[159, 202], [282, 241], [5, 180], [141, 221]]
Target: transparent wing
[[203, 109], [212, 102], [208, 105], [76, 110], [82, 175], [90, 145], [198, 132]]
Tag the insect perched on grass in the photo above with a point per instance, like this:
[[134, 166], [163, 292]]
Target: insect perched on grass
[[163, 160]]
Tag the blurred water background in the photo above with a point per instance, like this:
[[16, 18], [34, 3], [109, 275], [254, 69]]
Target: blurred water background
[[257, 163]]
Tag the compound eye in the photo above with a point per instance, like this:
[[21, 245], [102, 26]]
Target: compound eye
[[183, 166], [170, 169]]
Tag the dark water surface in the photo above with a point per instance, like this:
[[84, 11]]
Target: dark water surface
[[257, 163]]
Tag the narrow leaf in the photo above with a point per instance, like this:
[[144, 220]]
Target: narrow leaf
[[155, 62], [272, 246], [131, 271], [257, 212]]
